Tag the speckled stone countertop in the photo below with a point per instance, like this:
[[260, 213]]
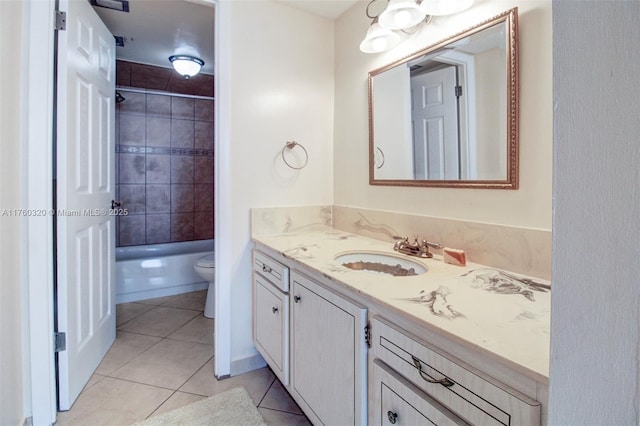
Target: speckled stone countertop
[[502, 314]]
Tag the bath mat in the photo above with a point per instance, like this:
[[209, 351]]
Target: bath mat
[[233, 407]]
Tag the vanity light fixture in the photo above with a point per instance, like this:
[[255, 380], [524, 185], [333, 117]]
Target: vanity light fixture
[[379, 39], [404, 16], [401, 14], [186, 65]]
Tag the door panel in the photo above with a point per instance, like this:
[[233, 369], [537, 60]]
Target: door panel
[[435, 124], [85, 185], [324, 366]]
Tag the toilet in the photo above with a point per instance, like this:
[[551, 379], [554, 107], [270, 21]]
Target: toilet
[[206, 268]]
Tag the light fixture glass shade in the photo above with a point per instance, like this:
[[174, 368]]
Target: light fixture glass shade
[[444, 7], [401, 14], [185, 65], [379, 39]]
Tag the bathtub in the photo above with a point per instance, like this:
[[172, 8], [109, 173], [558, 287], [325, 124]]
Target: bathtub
[[157, 270]]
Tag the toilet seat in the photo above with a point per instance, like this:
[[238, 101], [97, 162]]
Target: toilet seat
[[208, 261]]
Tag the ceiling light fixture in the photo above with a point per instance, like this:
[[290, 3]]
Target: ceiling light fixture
[[186, 65], [404, 16]]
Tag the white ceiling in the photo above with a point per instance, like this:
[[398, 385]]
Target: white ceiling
[[157, 29], [327, 8]]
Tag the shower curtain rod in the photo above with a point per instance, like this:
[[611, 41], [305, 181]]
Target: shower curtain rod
[[161, 92]]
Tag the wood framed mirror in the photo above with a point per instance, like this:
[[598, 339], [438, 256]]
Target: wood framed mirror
[[447, 115]]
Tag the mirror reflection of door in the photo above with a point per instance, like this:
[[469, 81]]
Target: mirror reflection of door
[[434, 116], [413, 115]]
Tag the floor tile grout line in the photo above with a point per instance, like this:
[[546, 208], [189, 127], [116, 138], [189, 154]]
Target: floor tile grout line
[[131, 319], [187, 341], [199, 311], [275, 409], [148, 349], [162, 338], [267, 391], [283, 411], [161, 404], [141, 383], [196, 372], [165, 336], [136, 356]]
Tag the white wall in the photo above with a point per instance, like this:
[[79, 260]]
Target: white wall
[[488, 65], [595, 376], [11, 363], [394, 132], [530, 206], [276, 80]]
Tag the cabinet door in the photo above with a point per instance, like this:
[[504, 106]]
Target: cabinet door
[[398, 402], [328, 355], [271, 316]]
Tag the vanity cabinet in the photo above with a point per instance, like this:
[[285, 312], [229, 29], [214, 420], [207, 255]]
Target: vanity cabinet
[[271, 313], [328, 354], [314, 334], [463, 393], [314, 341]]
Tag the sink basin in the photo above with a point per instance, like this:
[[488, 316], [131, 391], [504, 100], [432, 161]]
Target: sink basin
[[381, 263]]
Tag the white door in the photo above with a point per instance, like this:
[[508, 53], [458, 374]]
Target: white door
[[85, 188], [435, 124]]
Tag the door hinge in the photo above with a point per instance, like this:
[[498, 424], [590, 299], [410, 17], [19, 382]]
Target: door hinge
[[458, 91], [367, 334], [60, 342], [61, 21]]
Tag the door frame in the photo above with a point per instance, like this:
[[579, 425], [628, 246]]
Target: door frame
[[222, 193], [37, 129]]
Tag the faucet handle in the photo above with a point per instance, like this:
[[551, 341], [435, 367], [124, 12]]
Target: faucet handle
[[430, 244], [424, 248], [400, 241]]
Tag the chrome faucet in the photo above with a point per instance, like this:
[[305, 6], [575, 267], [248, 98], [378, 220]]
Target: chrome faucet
[[416, 248]]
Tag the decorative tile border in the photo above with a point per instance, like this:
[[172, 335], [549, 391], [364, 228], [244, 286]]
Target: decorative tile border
[[130, 149]]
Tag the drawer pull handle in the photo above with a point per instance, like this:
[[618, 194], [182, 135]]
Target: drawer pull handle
[[266, 269], [446, 382], [274, 309], [392, 417], [296, 299]]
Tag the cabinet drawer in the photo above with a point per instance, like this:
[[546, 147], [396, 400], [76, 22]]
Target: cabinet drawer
[[270, 326], [276, 272], [467, 392], [398, 402]]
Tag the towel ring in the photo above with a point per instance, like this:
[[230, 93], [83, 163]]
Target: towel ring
[[290, 145], [381, 155]]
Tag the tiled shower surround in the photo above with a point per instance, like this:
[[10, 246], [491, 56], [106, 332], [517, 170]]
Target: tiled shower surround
[[164, 150]]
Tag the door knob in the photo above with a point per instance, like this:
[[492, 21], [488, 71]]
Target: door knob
[[115, 204], [274, 309], [296, 299]]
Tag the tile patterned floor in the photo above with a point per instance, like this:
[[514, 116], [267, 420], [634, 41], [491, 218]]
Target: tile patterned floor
[[163, 359]]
